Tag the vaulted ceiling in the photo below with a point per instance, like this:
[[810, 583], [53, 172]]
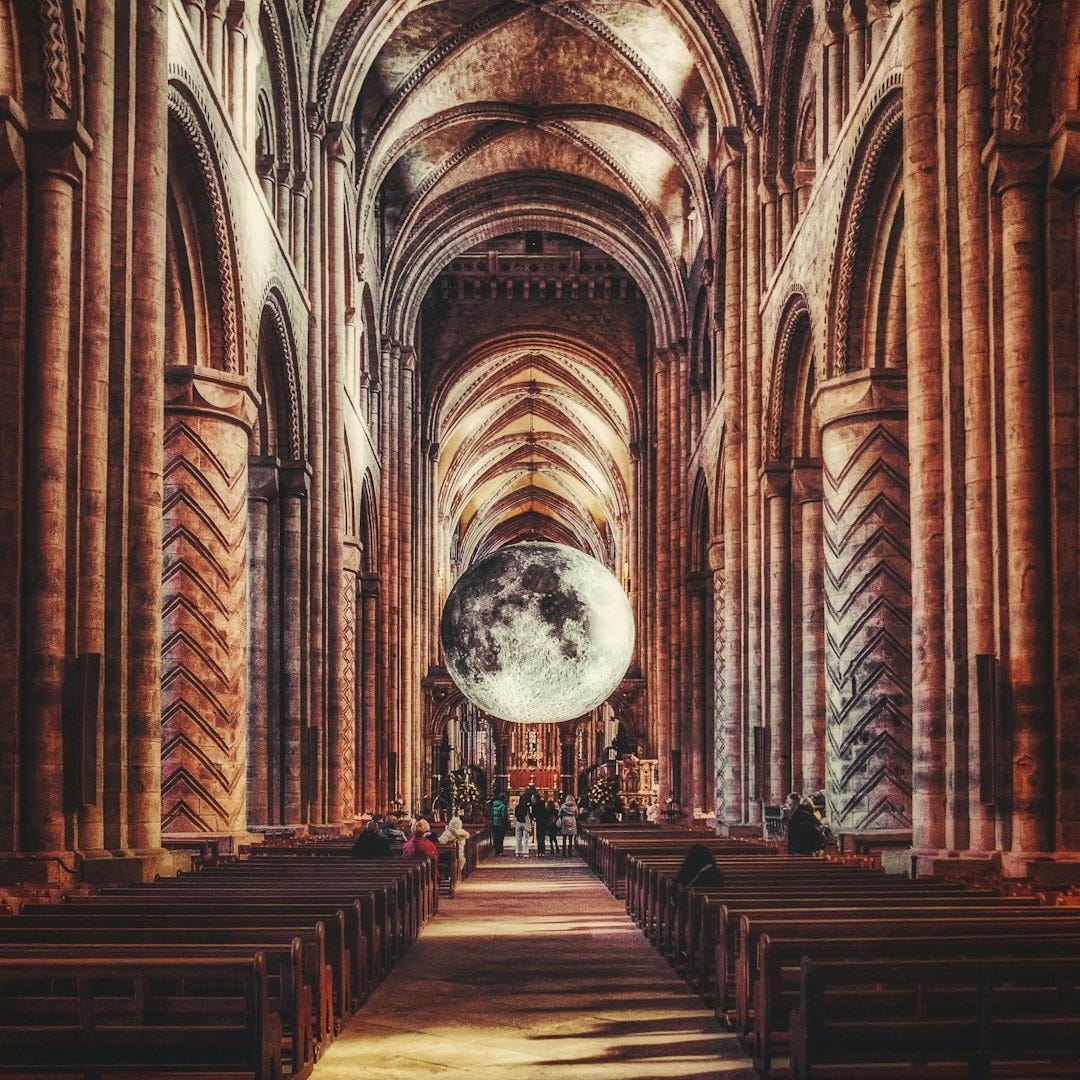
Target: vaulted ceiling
[[593, 120]]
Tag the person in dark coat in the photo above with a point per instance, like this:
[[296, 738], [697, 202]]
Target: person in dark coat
[[541, 817], [805, 834], [370, 844], [698, 868], [500, 817]]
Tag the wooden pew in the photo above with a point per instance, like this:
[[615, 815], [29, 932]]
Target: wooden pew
[[299, 988], [779, 962], [88, 1017], [929, 1019]]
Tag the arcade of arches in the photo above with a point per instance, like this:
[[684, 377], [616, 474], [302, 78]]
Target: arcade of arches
[[306, 305]]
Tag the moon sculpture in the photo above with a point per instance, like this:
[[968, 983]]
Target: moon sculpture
[[537, 633]]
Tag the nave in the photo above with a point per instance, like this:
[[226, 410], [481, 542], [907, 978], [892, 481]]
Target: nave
[[533, 969]]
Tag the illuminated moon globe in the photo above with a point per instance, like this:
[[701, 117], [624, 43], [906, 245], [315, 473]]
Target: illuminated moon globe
[[537, 633]]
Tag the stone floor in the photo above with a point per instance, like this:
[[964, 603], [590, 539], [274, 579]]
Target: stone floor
[[532, 971]]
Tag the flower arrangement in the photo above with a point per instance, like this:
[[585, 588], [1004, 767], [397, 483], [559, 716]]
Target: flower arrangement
[[463, 790], [602, 790]]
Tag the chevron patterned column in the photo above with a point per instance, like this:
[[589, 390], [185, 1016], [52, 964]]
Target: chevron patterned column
[[348, 685], [867, 600], [208, 418]]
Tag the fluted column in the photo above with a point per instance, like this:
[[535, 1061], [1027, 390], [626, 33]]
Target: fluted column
[[57, 172], [1019, 170], [809, 711], [777, 485], [867, 599], [204, 749], [146, 429]]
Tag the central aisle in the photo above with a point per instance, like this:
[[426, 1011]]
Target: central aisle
[[532, 972]]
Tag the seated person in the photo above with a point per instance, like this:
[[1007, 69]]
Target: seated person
[[392, 831], [370, 844], [698, 868], [419, 844], [805, 833]]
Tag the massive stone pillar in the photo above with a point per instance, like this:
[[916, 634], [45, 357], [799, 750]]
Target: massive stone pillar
[[867, 599], [809, 710], [778, 642], [697, 647], [204, 603], [718, 763], [1020, 180], [57, 171]]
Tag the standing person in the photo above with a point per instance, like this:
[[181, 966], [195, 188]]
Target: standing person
[[521, 828], [541, 817], [568, 813], [553, 826], [500, 815]]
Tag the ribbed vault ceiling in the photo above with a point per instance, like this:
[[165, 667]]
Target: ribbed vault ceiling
[[594, 120]]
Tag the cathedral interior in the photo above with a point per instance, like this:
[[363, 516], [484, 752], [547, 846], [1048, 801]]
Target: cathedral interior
[[770, 306]]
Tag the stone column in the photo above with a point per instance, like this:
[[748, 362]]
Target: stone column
[[347, 680], [1020, 170], [809, 710], [837, 102], [146, 405], [867, 599], [57, 171], [262, 493], [216, 40], [369, 690], [718, 764], [927, 450], [777, 491], [693, 754], [237, 98], [973, 130], [731, 731], [97, 344], [295, 484], [769, 226], [410, 678], [13, 306], [204, 752], [855, 29]]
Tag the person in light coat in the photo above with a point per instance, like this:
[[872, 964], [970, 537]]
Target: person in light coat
[[568, 814]]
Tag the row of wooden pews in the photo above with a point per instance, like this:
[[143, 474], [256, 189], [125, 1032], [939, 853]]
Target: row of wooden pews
[[833, 969], [243, 969]]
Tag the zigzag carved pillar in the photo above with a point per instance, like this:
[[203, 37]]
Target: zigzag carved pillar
[[867, 600], [719, 754], [348, 684], [809, 710], [208, 418]]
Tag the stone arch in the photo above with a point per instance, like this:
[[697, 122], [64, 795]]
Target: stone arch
[[792, 348], [280, 427], [870, 227], [203, 246]]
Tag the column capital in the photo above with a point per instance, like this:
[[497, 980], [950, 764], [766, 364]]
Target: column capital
[[339, 144], [862, 394], [1017, 159], [59, 148], [210, 392], [294, 479], [716, 554], [806, 480], [1065, 152], [262, 478], [352, 556], [775, 479]]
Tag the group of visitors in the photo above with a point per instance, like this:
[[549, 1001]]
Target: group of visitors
[[381, 832], [547, 822]]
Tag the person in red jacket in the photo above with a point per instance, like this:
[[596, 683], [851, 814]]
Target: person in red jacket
[[419, 844]]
